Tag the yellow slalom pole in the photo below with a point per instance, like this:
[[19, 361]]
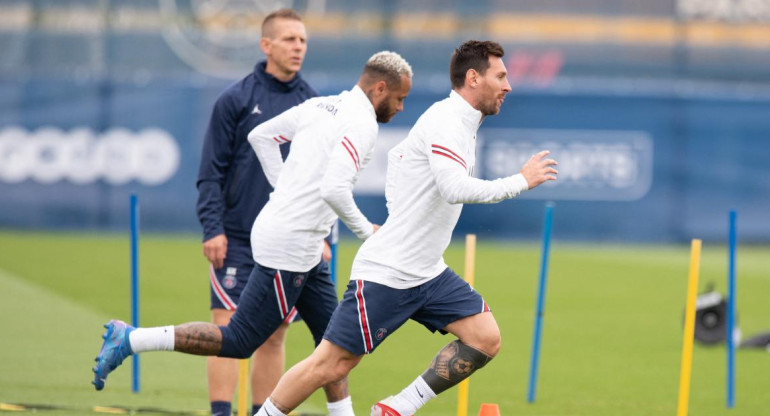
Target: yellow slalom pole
[[470, 267], [689, 329], [243, 387], [470, 258]]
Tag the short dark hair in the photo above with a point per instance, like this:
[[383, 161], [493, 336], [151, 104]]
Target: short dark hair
[[278, 14], [473, 54]]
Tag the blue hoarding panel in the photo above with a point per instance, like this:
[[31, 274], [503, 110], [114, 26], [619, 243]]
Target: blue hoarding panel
[[632, 168]]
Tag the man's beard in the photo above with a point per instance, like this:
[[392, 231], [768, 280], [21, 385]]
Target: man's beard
[[490, 109], [383, 112]]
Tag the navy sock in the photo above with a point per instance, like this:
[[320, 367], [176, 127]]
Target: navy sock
[[221, 409], [255, 408]]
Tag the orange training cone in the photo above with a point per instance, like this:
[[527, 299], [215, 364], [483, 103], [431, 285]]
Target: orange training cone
[[489, 409]]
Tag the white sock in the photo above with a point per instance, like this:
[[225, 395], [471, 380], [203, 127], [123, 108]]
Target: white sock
[[413, 397], [342, 407], [269, 406], [152, 339]]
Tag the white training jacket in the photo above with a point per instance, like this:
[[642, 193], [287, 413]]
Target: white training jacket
[[428, 180], [332, 140]]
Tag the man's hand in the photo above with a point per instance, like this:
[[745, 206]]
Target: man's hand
[[215, 249], [375, 227], [538, 170]]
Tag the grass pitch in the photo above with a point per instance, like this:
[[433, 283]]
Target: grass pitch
[[611, 338]]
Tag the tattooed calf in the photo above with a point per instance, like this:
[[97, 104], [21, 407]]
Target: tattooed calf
[[453, 364], [199, 338]]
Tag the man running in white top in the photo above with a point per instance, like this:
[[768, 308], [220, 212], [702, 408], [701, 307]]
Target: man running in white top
[[399, 273], [332, 140]]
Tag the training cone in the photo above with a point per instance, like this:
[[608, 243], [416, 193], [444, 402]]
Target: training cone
[[489, 409]]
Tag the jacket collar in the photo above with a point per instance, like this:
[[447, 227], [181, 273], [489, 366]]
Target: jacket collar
[[274, 83], [470, 116], [359, 95]]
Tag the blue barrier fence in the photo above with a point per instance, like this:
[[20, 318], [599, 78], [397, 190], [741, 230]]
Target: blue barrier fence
[[637, 168]]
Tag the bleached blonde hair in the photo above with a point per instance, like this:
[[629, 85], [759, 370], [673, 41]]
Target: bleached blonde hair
[[389, 66]]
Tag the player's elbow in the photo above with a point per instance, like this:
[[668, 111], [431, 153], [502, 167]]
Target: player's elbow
[[253, 136], [450, 197], [252, 139], [331, 193], [456, 188]]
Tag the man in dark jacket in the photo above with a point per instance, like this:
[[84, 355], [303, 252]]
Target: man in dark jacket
[[233, 189]]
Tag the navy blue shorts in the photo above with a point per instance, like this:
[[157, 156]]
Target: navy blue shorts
[[228, 282], [369, 311], [267, 300]]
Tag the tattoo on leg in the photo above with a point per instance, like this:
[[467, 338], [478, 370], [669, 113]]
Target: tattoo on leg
[[453, 364], [336, 390], [285, 410], [199, 338]]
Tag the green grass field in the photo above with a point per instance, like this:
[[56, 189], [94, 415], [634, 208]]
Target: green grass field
[[612, 334]]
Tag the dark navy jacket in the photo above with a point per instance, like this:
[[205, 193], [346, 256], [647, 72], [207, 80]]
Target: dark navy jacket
[[232, 188]]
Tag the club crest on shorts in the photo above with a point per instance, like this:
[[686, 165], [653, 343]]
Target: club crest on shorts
[[230, 281], [298, 280], [380, 334]]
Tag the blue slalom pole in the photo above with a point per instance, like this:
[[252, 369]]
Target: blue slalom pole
[[548, 220], [731, 313], [135, 285], [335, 240]]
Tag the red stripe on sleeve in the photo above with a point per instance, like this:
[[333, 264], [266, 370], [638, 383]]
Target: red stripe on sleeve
[[353, 147], [444, 148], [438, 152], [355, 161]]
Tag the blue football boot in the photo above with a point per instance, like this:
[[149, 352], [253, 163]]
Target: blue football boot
[[114, 350]]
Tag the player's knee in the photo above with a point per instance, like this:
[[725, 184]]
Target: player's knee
[[336, 373], [488, 342], [236, 344], [244, 347], [492, 343], [331, 368], [344, 367], [239, 348], [277, 340], [322, 371], [239, 353]]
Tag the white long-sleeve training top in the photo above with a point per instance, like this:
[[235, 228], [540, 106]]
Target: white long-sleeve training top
[[428, 180], [332, 140]]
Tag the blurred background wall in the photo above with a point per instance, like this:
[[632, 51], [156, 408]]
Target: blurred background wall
[[658, 110]]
